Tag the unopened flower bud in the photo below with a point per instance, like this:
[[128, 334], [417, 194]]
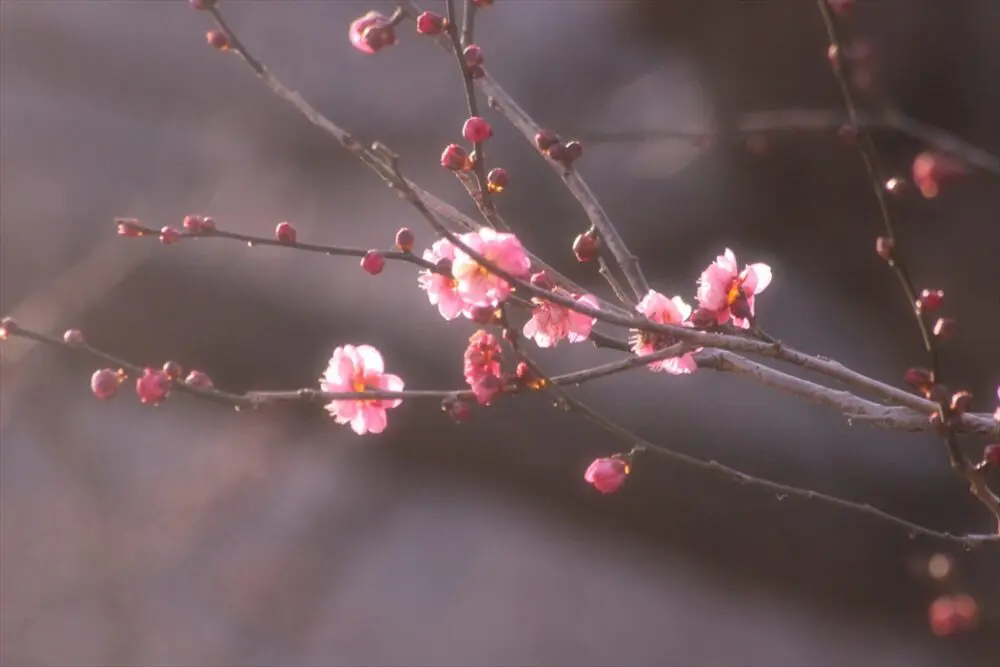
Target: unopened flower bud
[[405, 239], [218, 40], [207, 224], [430, 23], [574, 151], [373, 262], [285, 233], [930, 300], [497, 180], [545, 139], [372, 32], [73, 337], [172, 370], [455, 158], [884, 247], [170, 235], [104, 383], [476, 130], [128, 227], [192, 224], [833, 56], [607, 474], [586, 246], [153, 386], [198, 380], [473, 56]]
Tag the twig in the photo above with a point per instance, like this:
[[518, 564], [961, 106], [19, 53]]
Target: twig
[[961, 465], [483, 198], [791, 120], [250, 240], [469, 22]]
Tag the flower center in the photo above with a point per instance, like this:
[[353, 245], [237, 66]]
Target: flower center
[[735, 291]]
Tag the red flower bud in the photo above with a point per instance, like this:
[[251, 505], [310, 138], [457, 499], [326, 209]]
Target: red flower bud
[[930, 300], [172, 369], [429, 23], [170, 235], [961, 401], [373, 262], [372, 32], [919, 378], [586, 246], [476, 130], [129, 228], [192, 224], [457, 409], [607, 474], [991, 455], [455, 158], [153, 386], [285, 233]]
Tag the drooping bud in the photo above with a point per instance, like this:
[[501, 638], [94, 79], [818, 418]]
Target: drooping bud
[[607, 474], [373, 262], [586, 246]]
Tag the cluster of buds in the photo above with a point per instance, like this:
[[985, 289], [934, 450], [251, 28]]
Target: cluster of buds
[[552, 146], [152, 386]]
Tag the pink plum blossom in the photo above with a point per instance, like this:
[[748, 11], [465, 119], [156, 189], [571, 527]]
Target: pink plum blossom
[[360, 368], [482, 368], [442, 290], [662, 310], [476, 285], [551, 322], [607, 474], [730, 294]]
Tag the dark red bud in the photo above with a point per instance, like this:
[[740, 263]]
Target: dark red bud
[[586, 247]]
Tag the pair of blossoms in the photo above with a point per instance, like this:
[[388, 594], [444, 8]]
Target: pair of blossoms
[[462, 287]]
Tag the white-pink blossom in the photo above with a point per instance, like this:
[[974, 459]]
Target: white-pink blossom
[[442, 290], [662, 310], [551, 322], [354, 369], [476, 284]]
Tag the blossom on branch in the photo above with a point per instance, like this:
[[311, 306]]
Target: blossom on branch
[[442, 290], [729, 293], [662, 310], [476, 285], [360, 368], [482, 367], [551, 322]]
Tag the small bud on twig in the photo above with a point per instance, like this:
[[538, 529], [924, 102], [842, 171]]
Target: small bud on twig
[[405, 239], [586, 246], [218, 40], [285, 233], [373, 262]]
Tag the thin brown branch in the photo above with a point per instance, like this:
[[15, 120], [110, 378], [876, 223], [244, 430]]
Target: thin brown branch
[[896, 260]]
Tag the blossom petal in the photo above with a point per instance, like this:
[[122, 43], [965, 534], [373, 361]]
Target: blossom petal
[[371, 359], [758, 277]]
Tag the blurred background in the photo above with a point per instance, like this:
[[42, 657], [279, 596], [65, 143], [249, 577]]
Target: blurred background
[[190, 534]]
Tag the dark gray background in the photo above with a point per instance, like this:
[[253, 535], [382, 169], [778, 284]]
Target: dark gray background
[[189, 534]]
